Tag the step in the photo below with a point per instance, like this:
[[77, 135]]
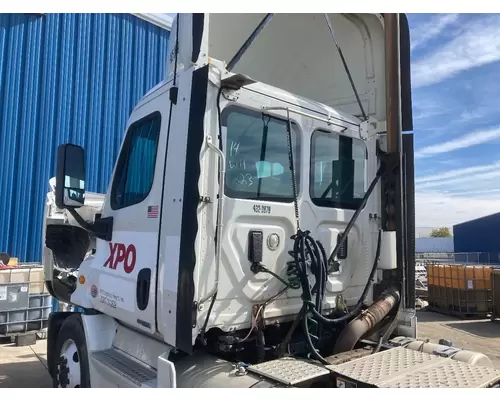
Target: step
[[131, 370], [404, 368], [288, 371]]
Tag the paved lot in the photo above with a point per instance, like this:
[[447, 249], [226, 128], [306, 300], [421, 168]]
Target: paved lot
[[27, 366], [24, 367], [481, 335]]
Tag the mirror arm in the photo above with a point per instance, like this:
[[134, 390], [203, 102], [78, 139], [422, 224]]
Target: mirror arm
[[78, 218], [101, 228]]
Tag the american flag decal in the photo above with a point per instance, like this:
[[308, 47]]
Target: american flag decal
[[152, 211]]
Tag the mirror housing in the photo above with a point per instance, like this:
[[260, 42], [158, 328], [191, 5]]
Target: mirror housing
[[70, 176]]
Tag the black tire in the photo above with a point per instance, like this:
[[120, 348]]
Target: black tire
[[71, 329]]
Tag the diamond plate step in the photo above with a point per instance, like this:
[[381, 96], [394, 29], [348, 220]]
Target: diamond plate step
[[134, 371], [288, 371], [405, 368]]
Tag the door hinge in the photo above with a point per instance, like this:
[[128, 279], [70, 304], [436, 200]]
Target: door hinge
[[232, 95], [173, 94], [205, 199]]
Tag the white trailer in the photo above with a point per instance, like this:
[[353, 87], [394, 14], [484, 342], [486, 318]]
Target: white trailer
[[258, 226]]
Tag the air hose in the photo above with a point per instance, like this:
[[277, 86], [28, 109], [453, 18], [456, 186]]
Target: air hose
[[310, 254], [306, 247]]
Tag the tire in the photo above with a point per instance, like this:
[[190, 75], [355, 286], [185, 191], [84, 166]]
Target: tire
[[71, 362]]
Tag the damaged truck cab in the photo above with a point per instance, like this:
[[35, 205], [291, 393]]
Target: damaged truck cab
[[260, 213]]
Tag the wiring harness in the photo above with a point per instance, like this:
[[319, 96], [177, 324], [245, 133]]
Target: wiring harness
[[309, 254]]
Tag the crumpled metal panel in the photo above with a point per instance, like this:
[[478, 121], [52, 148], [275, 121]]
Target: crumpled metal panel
[[65, 78]]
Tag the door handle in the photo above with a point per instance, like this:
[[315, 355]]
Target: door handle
[[143, 285]]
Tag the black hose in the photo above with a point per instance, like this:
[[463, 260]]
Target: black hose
[[310, 344], [302, 241], [309, 253], [261, 343]]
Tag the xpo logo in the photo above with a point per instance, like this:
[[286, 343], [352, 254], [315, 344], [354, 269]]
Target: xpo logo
[[121, 254]]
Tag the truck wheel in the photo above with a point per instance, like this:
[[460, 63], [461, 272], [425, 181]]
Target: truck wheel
[[71, 363]]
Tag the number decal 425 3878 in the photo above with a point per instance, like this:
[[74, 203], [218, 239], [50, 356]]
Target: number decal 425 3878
[[260, 209]]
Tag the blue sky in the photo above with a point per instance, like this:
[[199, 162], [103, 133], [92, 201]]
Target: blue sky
[[456, 99]]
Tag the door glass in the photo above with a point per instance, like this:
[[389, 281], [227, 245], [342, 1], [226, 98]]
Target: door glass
[[257, 160], [136, 167], [337, 170]]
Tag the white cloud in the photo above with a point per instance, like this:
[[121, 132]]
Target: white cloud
[[478, 181], [457, 195], [483, 193], [423, 33], [436, 209], [471, 139], [477, 45], [457, 173]]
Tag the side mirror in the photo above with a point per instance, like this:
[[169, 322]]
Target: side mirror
[[70, 176]]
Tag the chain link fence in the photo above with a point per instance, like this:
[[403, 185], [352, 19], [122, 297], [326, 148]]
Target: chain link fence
[[481, 258]]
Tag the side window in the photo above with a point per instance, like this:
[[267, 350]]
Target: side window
[[337, 170], [136, 165], [257, 161]]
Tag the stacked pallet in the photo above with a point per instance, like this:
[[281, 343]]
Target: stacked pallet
[[25, 303]]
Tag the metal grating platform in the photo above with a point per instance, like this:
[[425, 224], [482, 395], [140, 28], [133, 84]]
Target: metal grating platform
[[404, 368], [289, 371], [114, 359]]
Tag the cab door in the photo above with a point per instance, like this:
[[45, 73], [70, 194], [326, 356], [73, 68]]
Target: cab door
[[125, 285]]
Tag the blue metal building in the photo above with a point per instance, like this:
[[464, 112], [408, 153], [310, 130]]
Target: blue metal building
[[481, 235], [66, 78], [434, 245]]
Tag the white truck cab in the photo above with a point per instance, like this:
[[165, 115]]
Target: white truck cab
[[259, 216]]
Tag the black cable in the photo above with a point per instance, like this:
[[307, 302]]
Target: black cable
[[304, 246], [301, 238], [260, 268], [315, 353]]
